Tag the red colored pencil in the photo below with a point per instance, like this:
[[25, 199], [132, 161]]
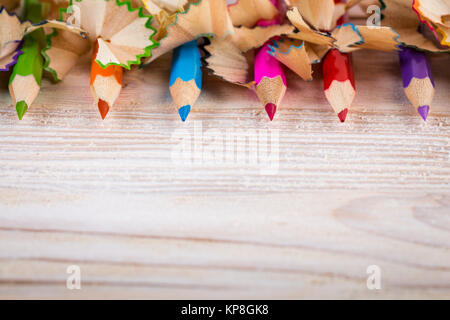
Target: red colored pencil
[[339, 80]]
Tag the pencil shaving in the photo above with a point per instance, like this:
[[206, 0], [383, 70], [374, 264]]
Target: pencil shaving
[[246, 39], [206, 17], [304, 30], [231, 50], [436, 14], [294, 55], [248, 12], [155, 7], [347, 37], [321, 14], [56, 25], [399, 15], [227, 61], [378, 38], [123, 32], [12, 32]]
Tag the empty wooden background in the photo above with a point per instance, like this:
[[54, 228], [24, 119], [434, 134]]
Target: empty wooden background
[[142, 219]]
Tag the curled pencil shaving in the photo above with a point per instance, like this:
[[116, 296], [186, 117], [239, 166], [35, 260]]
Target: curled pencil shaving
[[399, 16], [164, 13], [123, 33], [298, 56], [204, 18], [299, 47], [248, 12], [155, 7], [437, 12], [436, 15], [320, 14], [246, 39], [227, 61], [346, 38], [13, 31], [305, 32], [63, 53], [57, 25], [223, 53], [350, 37]]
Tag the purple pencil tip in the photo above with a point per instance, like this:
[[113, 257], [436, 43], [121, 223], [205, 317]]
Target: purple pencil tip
[[423, 111]]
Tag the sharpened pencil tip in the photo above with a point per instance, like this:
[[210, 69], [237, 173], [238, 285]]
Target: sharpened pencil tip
[[21, 108], [343, 115], [423, 111], [271, 109], [103, 107], [184, 112]]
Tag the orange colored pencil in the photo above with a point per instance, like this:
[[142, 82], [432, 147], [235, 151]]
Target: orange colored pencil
[[106, 84]]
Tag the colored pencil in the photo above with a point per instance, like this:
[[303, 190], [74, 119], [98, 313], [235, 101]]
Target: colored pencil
[[417, 79], [186, 77], [270, 79], [106, 84], [26, 76], [339, 79]]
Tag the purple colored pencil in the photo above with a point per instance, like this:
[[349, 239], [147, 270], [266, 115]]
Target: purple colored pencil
[[417, 79]]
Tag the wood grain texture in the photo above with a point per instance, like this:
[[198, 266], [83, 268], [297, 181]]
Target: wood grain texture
[[114, 197]]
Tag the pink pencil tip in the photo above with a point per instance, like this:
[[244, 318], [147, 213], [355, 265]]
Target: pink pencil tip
[[271, 109], [343, 114]]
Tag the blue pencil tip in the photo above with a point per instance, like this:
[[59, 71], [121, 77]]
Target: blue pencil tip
[[184, 112]]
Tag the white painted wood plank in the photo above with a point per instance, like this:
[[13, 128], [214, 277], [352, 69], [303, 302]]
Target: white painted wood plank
[[111, 197]]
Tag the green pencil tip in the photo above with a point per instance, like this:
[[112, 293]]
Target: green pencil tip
[[21, 108]]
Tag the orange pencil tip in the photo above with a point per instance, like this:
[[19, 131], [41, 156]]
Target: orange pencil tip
[[343, 114], [271, 109], [103, 107]]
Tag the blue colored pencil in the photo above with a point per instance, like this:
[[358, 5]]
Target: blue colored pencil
[[186, 77]]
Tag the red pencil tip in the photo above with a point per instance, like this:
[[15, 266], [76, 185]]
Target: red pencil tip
[[103, 107], [343, 114], [271, 109]]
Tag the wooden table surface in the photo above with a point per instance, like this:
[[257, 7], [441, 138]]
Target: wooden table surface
[[143, 217]]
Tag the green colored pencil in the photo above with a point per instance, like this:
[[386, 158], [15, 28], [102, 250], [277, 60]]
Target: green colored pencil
[[25, 80]]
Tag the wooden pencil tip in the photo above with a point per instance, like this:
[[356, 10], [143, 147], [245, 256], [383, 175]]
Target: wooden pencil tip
[[21, 108], [423, 111], [271, 109], [103, 107], [184, 112], [343, 115]]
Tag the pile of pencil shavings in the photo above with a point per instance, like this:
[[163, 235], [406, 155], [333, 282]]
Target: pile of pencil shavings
[[244, 42]]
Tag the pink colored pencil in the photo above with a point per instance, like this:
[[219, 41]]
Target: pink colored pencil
[[269, 76]]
